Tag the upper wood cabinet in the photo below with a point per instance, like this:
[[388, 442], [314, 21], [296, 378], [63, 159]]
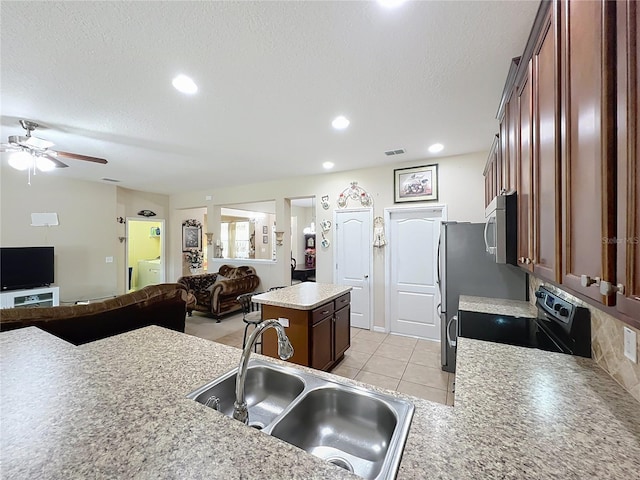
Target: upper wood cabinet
[[628, 122], [545, 207], [491, 174], [509, 132], [524, 185], [569, 120], [587, 50]]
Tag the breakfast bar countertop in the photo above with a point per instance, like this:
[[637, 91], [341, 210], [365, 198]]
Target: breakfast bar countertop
[[302, 296], [117, 408], [497, 306]]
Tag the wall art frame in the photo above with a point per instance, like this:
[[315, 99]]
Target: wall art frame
[[191, 238], [415, 184]]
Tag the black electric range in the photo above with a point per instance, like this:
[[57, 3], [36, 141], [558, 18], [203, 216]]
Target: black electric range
[[559, 326]]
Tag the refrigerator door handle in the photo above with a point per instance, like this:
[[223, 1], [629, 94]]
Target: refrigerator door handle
[[452, 343]]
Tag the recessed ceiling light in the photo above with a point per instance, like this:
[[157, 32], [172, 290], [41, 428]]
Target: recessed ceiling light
[[391, 3], [340, 123], [184, 84], [436, 147], [327, 165]]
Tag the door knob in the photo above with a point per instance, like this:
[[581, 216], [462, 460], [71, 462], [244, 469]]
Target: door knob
[[366, 276]]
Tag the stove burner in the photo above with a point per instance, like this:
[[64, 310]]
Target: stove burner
[[560, 326]]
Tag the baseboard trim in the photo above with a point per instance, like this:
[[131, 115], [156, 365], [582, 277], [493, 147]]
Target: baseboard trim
[[379, 329]]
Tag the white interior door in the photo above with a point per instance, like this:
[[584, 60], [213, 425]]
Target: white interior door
[[412, 292], [353, 254]]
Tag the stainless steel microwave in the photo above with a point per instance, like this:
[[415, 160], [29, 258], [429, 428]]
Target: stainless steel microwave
[[501, 228]]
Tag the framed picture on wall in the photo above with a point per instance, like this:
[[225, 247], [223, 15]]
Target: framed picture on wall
[[191, 238], [416, 184]]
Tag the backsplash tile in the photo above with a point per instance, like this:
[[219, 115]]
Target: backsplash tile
[[606, 340]]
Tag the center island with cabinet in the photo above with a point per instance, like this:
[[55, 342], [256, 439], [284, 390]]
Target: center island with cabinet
[[316, 317]]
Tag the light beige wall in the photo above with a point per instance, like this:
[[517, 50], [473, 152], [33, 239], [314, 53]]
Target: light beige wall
[[178, 266], [461, 188], [87, 233]]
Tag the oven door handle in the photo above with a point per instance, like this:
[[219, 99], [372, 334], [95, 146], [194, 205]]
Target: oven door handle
[[452, 343]]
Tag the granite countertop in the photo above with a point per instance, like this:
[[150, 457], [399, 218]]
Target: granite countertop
[[499, 306], [116, 408], [302, 296]]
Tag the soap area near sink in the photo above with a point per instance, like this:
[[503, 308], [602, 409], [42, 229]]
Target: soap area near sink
[[357, 429]]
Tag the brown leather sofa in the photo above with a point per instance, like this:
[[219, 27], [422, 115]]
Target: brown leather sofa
[[216, 293], [164, 305]]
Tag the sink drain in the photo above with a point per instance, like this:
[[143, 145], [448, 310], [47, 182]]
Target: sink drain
[[340, 462]]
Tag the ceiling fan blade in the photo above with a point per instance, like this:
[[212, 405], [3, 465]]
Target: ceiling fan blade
[[58, 163], [76, 156]]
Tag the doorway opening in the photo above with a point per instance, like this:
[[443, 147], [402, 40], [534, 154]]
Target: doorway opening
[[303, 239], [145, 260]]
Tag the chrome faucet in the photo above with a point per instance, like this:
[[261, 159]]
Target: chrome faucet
[[285, 352]]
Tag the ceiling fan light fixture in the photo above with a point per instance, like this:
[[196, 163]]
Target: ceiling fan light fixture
[[185, 85], [20, 160], [44, 164]]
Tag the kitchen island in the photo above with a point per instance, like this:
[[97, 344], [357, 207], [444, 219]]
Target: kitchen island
[[116, 408], [317, 319]]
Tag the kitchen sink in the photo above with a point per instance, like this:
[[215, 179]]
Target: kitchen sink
[[268, 391], [350, 429], [354, 428]]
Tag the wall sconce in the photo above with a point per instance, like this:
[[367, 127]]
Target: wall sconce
[[209, 238], [279, 237]]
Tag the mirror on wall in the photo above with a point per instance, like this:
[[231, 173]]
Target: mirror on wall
[[247, 231]]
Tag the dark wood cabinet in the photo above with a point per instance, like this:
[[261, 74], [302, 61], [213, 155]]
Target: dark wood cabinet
[[524, 185], [322, 343], [628, 146], [587, 49], [319, 336], [569, 120], [545, 208], [491, 169], [509, 131], [342, 330]]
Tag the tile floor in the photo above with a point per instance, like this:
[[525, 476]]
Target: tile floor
[[404, 364]]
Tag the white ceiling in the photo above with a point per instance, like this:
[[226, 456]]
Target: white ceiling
[[271, 77]]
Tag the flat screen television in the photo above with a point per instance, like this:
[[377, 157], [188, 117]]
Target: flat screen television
[[25, 267]]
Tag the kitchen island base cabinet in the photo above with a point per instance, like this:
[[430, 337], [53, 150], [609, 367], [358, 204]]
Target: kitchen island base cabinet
[[319, 336]]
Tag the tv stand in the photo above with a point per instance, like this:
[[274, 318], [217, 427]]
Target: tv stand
[[32, 297]]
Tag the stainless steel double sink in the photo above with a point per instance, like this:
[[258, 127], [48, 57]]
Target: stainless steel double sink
[[354, 428]]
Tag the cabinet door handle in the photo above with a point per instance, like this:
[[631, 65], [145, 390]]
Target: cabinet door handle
[[325, 312]]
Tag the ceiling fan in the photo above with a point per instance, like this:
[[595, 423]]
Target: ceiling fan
[[29, 151]]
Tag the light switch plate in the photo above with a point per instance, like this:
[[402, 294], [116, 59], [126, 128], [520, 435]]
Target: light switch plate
[[630, 349], [108, 259]]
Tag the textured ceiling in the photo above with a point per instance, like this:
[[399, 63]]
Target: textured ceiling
[[271, 77]]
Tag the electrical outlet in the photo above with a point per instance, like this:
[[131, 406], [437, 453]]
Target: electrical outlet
[[108, 259], [630, 349]]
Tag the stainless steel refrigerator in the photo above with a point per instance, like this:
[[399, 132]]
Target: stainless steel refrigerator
[[465, 268]]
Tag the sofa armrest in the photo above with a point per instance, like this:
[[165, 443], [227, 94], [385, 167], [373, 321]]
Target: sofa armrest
[[232, 288]]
